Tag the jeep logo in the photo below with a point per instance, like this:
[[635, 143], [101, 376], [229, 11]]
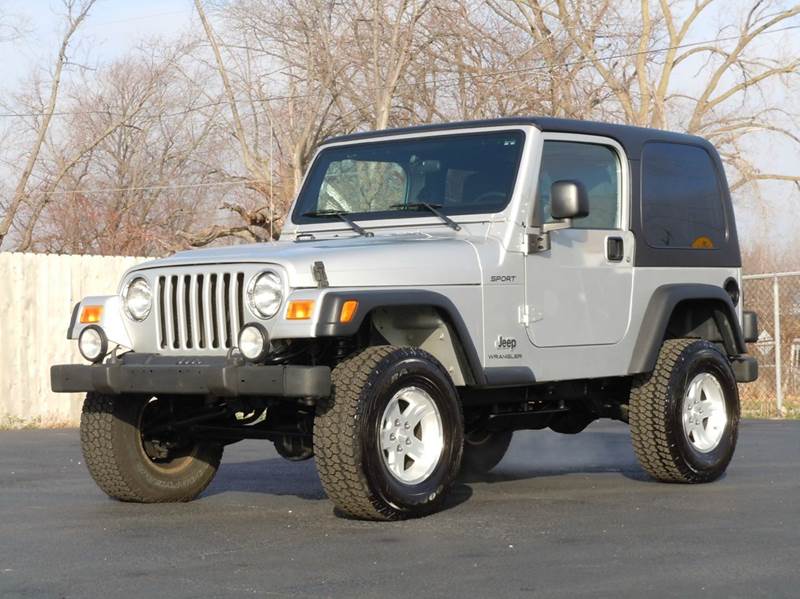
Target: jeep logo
[[506, 343]]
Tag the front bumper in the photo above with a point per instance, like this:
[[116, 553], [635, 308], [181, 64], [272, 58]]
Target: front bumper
[[217, 376]]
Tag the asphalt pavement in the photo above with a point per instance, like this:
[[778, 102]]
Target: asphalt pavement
[[561, 516]]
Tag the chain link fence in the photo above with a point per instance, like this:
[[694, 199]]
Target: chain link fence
[[775, 297]]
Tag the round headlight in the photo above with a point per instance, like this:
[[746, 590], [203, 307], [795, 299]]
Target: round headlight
[[92, 343], [137, 299], [253, 342], [265, 294]]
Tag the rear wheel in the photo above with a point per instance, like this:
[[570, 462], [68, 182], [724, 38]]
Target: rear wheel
[[388, 442], [132, 456], [684, 415], [483, 450]]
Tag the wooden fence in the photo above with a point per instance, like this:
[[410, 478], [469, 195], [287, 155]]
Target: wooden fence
[[37, 293]]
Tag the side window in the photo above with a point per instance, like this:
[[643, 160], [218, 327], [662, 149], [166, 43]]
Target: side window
[[594, 165], [681, 200]]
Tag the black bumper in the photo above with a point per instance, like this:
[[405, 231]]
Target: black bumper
[[139, 373]]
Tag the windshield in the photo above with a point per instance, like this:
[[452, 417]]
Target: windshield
[[456, 174]]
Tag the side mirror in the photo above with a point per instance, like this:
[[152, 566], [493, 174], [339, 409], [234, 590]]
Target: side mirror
[[568, 200]]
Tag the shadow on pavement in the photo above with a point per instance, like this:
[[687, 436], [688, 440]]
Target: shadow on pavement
[[276, 476], [532, 455], [539, 454], [272, 476]]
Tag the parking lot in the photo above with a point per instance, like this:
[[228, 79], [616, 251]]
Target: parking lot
[[561, 516]]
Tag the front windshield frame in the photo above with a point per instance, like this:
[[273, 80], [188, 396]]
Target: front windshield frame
[[401, 214]]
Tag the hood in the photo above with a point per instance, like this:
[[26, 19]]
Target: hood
[[384, 260]]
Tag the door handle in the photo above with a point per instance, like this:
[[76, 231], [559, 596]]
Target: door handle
[[615, 249]]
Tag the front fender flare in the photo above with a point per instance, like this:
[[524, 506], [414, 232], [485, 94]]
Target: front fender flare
[[328, 324]]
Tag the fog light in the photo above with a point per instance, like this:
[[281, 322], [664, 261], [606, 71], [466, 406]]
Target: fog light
[[253, 342], [93, 343]]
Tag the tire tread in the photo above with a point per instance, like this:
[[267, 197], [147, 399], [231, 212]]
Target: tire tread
[[650, 421], [97, 434], [336, 446]]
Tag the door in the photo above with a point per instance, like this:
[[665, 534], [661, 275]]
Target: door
[[579, 291]]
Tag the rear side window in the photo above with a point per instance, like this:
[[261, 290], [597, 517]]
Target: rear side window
[[681, 198], [594, 165]]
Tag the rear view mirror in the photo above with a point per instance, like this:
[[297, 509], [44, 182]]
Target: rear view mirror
[[430, 166], [568, 200]]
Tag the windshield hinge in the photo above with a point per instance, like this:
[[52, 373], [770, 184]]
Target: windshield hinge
[[524, 315]]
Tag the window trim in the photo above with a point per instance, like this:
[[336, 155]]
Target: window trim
[[720, 198], [624, 195]]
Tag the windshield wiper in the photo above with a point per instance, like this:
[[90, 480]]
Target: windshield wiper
[[342, 216], [433, 208]]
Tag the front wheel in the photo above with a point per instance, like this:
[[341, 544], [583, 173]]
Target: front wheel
[[132, 456], [684, 415], [388, 442]]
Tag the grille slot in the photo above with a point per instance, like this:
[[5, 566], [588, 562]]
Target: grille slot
[[199, 311]]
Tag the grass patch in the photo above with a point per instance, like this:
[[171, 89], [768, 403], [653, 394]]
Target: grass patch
[[14, 423]]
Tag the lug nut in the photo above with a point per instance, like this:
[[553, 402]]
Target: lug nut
[[407, 426], [392, 437], [408, 441], [399, 449]]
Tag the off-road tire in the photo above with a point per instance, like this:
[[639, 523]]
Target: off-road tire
[[348, 457], [656, 399], [113, 452], [483, 451]]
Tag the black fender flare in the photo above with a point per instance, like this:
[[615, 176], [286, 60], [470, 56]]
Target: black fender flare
[[328, 324], [660, 309]]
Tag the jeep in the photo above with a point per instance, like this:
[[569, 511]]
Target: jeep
[[433, 290]]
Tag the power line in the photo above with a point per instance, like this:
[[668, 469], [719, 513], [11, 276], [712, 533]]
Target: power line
[[151, 187], [90, 25], [442, 82]]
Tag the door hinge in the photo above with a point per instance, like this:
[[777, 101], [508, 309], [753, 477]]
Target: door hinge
[[528, 315]]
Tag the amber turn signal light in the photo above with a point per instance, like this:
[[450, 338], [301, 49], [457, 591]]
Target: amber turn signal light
[[348, 310], [91, 314], [300, 310]]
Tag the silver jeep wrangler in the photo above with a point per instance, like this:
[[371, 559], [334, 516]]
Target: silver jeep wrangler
[[433, 290]]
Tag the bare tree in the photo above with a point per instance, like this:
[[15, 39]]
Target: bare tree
[[76, 13], [146, 172], [279, 131], [644, 56], [206, 139]]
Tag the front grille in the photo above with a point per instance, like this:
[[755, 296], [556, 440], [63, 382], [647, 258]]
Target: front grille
[[199, 311]]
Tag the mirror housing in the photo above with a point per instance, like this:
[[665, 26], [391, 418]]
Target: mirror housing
[[568, 200]]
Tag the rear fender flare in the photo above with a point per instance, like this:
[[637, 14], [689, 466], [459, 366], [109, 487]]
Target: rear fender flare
[[660, 309]]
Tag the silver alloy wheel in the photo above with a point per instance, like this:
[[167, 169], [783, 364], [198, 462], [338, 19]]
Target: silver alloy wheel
[[705, 415], [411, 436]]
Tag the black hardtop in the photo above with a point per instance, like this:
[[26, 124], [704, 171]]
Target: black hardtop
[[630, 138]]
